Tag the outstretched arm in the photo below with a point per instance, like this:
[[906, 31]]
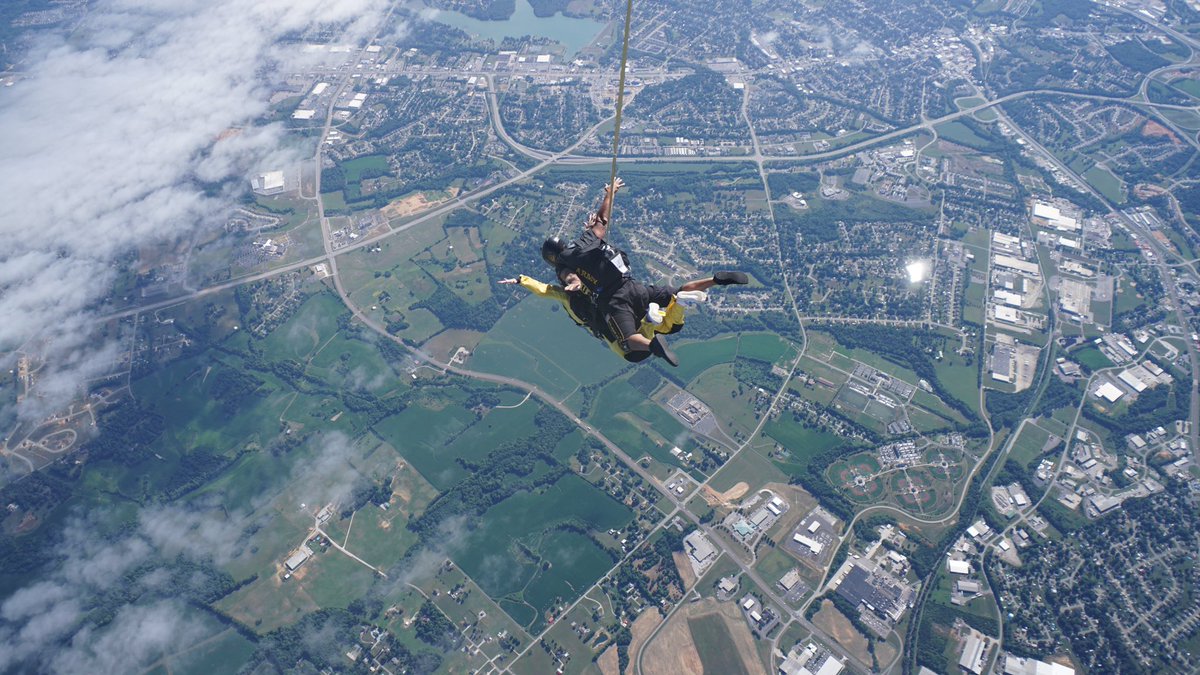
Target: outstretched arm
[[599, 221], [536, 287]]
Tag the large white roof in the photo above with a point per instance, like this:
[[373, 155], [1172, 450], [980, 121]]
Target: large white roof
[[1109, 392]]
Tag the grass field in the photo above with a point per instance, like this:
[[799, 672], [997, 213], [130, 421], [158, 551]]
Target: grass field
[[957, 132], [1029, 444], [1109, 185], [749, 467], [696, 357], [717, 650], [802, 442], [637, 424], [1091, 357], [421, 434], [225, 652], [773, 565], [520, 556], [538, 661], [718, 387], [763, 346], [536, 341]]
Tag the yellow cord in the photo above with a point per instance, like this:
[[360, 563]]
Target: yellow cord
[[620, 93]]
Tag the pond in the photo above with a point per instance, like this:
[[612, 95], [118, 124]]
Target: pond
[[574, 34]]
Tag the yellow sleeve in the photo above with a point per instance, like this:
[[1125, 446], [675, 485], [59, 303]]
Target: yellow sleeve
[[544, 290]]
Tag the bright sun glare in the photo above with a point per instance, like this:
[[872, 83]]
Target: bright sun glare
[[917, 271]]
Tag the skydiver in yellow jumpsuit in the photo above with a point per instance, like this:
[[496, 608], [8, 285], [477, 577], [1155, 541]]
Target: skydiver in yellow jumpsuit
[[580, 309]]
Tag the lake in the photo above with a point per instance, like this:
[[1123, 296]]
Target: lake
[[574, 34]]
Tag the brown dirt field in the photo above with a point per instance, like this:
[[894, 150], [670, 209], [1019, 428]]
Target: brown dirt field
[[411, 204], [608, 661], [641, 629], [685, 569], [673, 652], [714, 498], [1153, 128], [832, 622]]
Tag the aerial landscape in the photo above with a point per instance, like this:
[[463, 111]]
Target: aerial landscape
[[274, 401]]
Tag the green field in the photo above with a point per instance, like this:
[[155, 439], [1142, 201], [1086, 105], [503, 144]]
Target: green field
[[1029, 444], [369, 164], [957, 132], [637, 424], [801, 441], [718, 387], [773, 565], [537, 342], [421, 434], [749, 467], [696, 357], [1109, 185], [763, 346], [520, 555], [225, 652], [1091, 357], [717, 650]]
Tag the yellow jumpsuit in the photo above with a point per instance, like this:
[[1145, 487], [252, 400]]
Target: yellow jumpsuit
[[672, 315]]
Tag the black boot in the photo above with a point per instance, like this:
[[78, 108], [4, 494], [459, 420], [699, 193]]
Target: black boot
[[659, 348], [727, 278]]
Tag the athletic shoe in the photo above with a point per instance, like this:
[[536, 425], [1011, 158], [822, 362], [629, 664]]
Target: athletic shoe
[[726, 278], [655, 314], [658, 347], [691, 297]]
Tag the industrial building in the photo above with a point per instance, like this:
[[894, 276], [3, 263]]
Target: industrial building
[[270, 183], [973, 654], [878, 592], [1049, 215], [1022, 266], [700, 548], [1015, 665], [812, 660], [1003, 362], [1109, 392]]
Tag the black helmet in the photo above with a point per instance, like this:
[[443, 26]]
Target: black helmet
[[551, 248]]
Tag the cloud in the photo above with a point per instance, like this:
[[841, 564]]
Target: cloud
[[119, 137], [51, 624], [330, 476], [138, 636]]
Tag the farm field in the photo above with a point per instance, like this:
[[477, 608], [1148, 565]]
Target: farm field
[[506, 553]]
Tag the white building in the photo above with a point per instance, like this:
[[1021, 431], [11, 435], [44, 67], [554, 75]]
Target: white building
[[972, 655], [1053, 217], [1109, 392], [297, 559], [700, 548], [270, 183], [1015, 665], [812, 544]]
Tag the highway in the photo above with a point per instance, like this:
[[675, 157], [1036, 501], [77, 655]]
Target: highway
[[566, 156]]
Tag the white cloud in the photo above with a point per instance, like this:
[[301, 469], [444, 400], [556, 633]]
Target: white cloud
[[105, 143], [136, 637]]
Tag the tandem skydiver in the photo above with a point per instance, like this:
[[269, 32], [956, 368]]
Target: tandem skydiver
[[620, 301], [664, 319]]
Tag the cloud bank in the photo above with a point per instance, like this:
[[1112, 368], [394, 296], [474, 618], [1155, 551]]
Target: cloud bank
[[119, 137]]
